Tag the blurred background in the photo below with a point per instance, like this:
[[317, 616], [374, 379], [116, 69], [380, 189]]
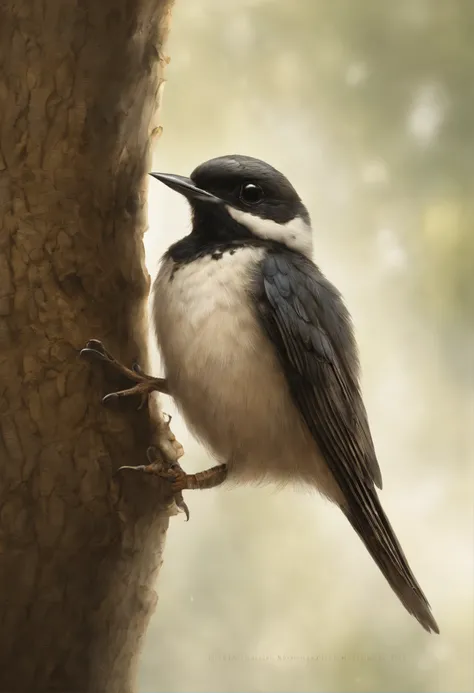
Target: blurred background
[[368, 108]]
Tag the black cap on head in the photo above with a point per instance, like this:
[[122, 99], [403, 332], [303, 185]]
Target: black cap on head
[[251, 185], [245, 183]]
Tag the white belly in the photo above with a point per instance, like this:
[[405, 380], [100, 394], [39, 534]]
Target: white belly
[[224, 374]]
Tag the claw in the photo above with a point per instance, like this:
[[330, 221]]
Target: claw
[[96, 344], [137, 369], [145, 384], [181, 505], [171, 472], [108, 399], [143, 402], [139, 468], [93, 354], [168, 475], [95, 349]]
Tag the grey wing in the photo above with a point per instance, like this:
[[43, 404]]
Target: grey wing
[[306, 317], [306, 320]]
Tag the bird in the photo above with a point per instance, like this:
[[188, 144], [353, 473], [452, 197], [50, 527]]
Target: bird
[[260, 356]]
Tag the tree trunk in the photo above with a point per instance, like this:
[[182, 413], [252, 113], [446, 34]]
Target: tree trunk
[[79, 548]]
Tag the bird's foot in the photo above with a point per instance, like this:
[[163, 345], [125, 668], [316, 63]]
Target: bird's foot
[[161, 463], [169, 470], [145, 384], [179, 481]]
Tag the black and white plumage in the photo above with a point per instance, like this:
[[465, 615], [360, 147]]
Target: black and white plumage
[[260, 356]]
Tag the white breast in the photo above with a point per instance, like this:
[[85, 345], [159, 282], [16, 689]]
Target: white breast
[[223, 372]]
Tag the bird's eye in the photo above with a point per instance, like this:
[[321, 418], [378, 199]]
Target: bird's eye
[[251, 194]]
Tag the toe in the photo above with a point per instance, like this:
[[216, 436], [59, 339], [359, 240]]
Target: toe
[[93, 354], [95, 344]]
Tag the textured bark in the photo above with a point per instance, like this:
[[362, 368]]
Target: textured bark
[[79, 549]]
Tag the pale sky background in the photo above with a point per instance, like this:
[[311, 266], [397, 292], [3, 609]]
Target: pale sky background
[[267, 590]]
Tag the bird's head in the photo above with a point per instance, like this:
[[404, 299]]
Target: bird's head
[[239, 196]]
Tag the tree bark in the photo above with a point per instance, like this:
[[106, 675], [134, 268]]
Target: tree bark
[[79, 548]]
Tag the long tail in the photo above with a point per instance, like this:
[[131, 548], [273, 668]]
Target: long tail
[[373, 527]]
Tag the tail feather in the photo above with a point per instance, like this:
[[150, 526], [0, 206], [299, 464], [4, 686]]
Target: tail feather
[[373, 527]]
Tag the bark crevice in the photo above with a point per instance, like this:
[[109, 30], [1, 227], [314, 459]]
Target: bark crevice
[[79, 548]]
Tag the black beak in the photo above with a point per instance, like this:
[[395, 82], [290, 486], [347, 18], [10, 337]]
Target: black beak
[[185, 187]]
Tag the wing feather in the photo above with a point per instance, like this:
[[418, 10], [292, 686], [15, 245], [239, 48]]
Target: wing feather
[[306, 320]]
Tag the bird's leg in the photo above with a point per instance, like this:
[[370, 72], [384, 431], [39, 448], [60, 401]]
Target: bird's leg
[[179, 481], [162, 463], [145, 384]]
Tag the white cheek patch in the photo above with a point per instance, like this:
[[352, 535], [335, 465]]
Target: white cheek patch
[[295, 234]]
